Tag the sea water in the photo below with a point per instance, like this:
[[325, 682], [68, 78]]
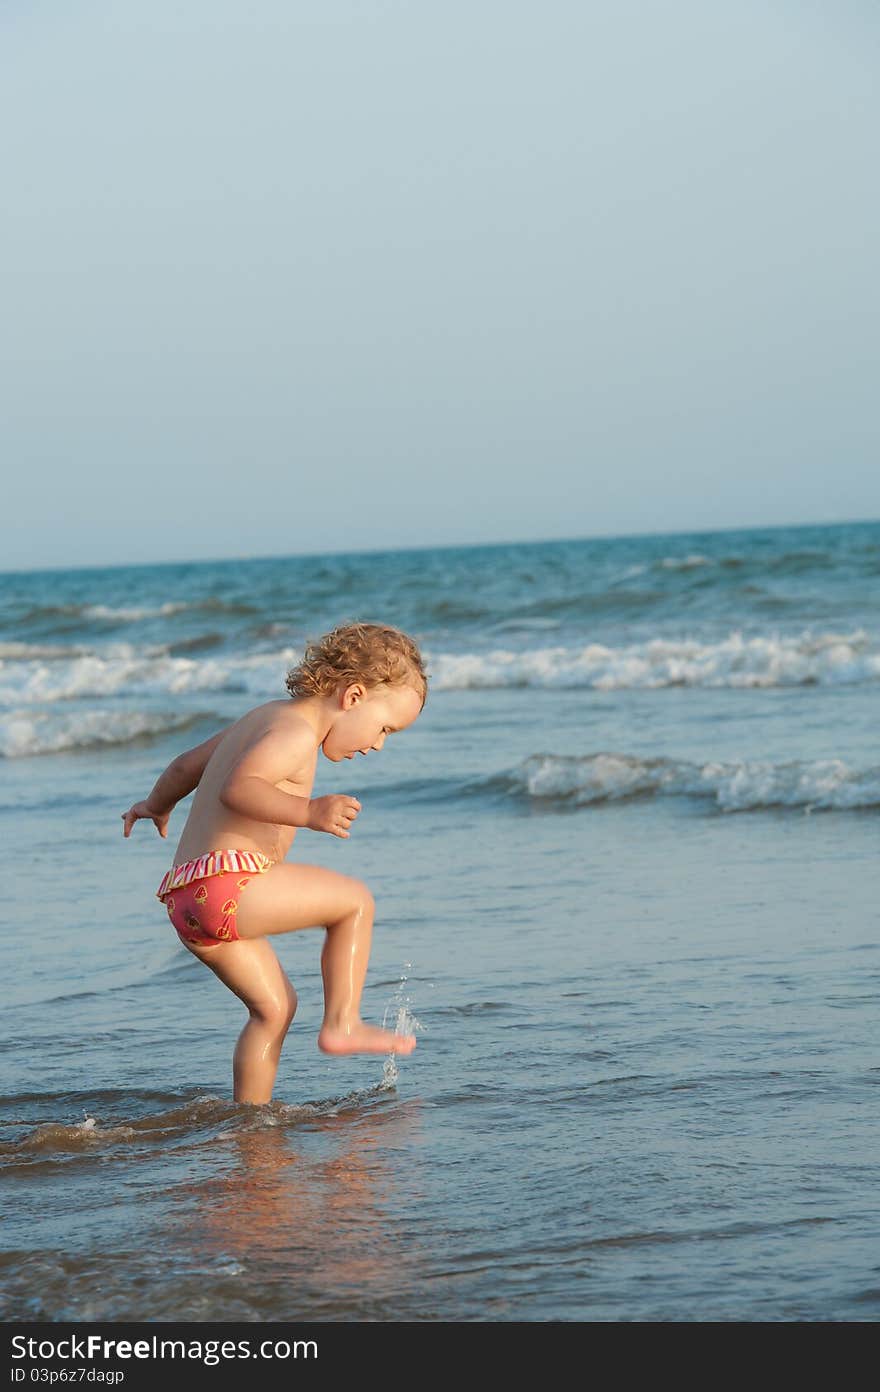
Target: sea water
[[625, 867]]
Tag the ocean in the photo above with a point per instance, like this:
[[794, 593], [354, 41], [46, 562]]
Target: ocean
[[625, 869]]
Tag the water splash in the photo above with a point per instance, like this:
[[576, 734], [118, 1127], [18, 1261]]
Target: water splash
[[399, 1017]]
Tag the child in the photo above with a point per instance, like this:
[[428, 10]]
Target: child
[[229, 887]]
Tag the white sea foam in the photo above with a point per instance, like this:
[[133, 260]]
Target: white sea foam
[[684, 562], [106, 611], [24, 732], [733, 787], [42, 677], [823, 659], [126, 669]]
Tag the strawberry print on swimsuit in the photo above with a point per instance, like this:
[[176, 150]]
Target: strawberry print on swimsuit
[[202, 896]]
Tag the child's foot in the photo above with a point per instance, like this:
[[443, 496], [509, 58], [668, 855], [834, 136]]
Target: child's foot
[[364, 1039]]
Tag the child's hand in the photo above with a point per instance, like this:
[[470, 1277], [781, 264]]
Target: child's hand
[[334, 813], [143, 809]]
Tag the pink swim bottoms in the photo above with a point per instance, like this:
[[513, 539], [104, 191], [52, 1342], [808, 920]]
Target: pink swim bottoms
[[202, 895]]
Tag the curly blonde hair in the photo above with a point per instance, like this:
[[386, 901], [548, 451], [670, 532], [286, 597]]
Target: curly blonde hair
[[375, 654]]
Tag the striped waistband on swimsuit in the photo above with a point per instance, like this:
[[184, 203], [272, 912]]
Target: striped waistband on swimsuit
[[213, 863]]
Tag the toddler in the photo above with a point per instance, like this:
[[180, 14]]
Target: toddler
[[229, 889]]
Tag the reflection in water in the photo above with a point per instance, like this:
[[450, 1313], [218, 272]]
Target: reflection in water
[[308, 1207]]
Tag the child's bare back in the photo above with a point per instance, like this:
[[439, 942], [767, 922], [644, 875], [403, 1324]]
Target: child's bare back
[[229, 888]]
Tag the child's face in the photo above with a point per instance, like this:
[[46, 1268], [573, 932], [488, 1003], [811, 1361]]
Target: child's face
[[366, 715]]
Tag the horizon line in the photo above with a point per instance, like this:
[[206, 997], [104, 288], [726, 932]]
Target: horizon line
[[435, 546]]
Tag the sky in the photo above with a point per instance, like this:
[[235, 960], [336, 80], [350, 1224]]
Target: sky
[[283, 278]]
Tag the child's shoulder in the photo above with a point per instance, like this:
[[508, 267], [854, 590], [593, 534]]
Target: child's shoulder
[[276, 715], [277, 729]]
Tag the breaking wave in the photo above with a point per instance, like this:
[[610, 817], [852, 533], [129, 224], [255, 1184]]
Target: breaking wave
[[741, 785], [129, 671], [31, 673], [809, 659], [24, 732]]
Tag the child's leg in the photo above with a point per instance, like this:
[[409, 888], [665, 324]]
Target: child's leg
[[289, 897], [252, 971]]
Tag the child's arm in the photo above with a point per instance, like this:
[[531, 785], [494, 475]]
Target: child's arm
[[275, 756], [182, 775]]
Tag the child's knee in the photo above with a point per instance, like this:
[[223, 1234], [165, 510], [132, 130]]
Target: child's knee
[[356, 900], [292, 1002], [364, 900], [369, 903], [276, 1012]]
